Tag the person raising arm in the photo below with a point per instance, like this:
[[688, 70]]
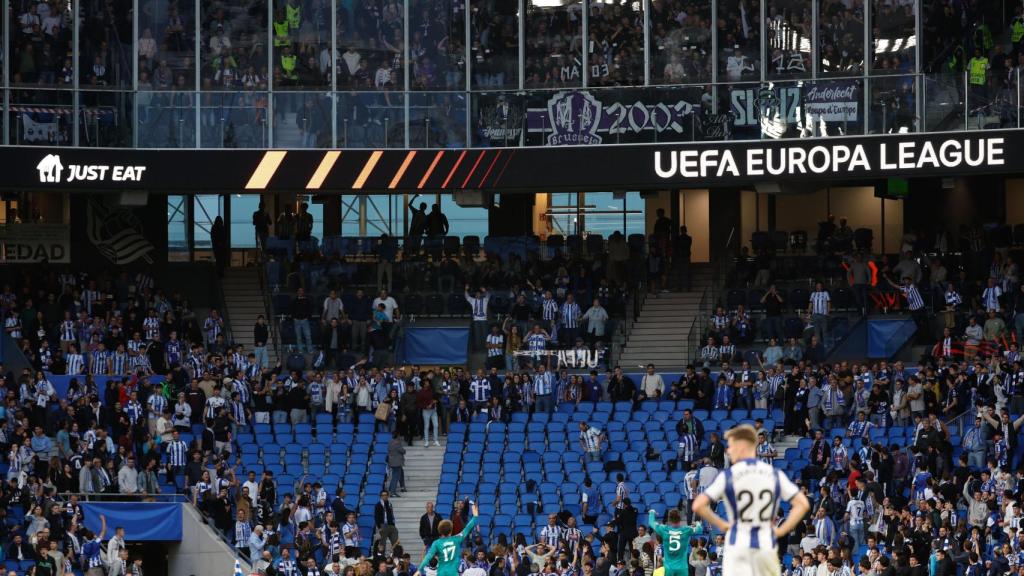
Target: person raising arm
[[446, 548]]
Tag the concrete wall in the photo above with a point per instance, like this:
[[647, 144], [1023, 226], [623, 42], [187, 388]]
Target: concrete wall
[[201, 551]]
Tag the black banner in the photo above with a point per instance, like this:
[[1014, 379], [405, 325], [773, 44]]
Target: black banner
[[105, 234], [581, 168]]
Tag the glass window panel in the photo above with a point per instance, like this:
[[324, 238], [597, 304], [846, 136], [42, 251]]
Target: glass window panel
[[943, 21], [788, 30], [464, 221], [635, 219], [437, 45], [739, 40], [166, 119], [233, 44], [680, 41], [40, 117], [371, 119], [554, 43], [350, 215], [499, 119], [616, 47], [892, 105], [563, 213], [104, 119], [840, 37], [893, 37], [302, 44], [302, 119], [236, 119], [105, 42], [942, 108], [370, 51], [205, 209], [177, 227], [494, 53], [437, 120], [40, 44], [166, 43], [243, 235]]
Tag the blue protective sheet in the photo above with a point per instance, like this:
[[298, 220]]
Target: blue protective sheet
[[435, 345], [142, 521]]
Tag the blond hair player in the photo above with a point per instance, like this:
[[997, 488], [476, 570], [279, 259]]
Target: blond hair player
[[752, 491]]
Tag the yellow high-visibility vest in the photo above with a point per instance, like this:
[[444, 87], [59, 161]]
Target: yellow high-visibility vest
[[293, 15], [288, 62], [977, 67], [281, 34]]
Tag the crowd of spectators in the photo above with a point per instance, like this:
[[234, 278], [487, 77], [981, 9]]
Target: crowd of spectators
[[949, 495], [841, 38], [680, 41], [559, 291]]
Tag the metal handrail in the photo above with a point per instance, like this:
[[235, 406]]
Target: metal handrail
[[268, 305]]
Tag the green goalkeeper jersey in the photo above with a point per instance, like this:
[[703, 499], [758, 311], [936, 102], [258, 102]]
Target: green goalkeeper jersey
[[448, 551], [675, 545]]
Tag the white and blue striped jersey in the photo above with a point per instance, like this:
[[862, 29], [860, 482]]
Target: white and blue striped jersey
[[752, 491], [570, 315], [913, 296]]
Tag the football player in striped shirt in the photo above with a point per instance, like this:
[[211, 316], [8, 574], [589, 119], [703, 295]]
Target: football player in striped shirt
[[753, 491], [68, 334], [151, 325], [75, 362], [99, 360], [172, 349], [765, 450]]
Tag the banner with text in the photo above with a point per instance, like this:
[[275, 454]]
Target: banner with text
[[115, 230], [615, 116], [35, 243]]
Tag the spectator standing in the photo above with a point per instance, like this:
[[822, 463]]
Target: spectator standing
[[261, 223], [596, 318], [384, 520], [429, 523], [652, 384], [427, 404], [396, 461], [360, 317], [219, 243], [478, 302], [591, 439], [819, 307], [301, 310]]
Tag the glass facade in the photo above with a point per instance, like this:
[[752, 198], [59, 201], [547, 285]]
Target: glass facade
[[486, 73]]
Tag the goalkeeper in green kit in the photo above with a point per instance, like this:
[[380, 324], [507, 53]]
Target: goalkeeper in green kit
[[675, 542], [448, 548]]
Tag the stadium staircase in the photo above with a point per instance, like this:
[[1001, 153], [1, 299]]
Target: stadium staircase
[[660, 335], [422, 476], [244, 302]]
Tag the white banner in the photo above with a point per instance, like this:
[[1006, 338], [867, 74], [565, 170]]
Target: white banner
[[32, 243], [39, 131]]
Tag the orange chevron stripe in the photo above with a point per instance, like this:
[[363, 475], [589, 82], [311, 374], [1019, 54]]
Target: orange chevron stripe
[[454, 168], [437, 158], [475, 164], [317, 180], [402, 169], [367, 168], [265, 170]]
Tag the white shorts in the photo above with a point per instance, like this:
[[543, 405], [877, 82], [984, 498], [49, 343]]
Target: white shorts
[[751, 562]]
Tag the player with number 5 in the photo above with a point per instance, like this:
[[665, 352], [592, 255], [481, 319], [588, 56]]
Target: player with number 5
[[753, 491], [675, 542], [447, 548]]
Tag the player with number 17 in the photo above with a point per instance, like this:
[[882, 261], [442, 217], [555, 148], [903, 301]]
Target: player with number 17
[[448, 548]]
